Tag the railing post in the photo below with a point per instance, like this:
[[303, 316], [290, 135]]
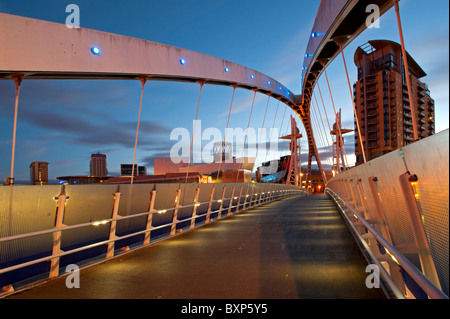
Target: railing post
[[208, 212], [271, 193], [266, 194], [395, 271], [261, 193], [352, 192], [380, 211], [362, 198], [151, 210], [219, 214], [245, 198], [194, 210], [250, 203], [112, 229], [173, 228], [407, 182], [54, 263], [230, 203], [238, 204]]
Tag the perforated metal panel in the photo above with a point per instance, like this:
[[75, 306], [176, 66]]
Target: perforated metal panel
[[428, 159]]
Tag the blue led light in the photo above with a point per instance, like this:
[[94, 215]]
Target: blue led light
[[227, 69], [252, 76], [308, 54], [316, 34], [183, 61], [268, 82], [95, 50]]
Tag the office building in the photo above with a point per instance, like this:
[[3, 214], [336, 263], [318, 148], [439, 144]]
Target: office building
[[382, 101], [98, 165], [127, 169], [39, 173]]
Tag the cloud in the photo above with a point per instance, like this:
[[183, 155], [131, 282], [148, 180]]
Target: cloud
[[68, 113]]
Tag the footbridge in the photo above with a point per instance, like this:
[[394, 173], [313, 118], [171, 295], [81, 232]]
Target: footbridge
[[380, 230]]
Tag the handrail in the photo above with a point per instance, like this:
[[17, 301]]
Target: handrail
[[423, 282], [276, 194], [52, 230]]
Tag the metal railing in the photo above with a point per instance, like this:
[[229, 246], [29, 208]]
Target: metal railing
[[397, 207], [235, 204], [347, 211]]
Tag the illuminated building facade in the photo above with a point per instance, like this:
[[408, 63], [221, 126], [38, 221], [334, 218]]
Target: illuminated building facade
[[98, 165], [382, 101], [39, 173]]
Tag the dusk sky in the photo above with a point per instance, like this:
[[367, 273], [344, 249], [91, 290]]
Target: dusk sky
[[64, 121]]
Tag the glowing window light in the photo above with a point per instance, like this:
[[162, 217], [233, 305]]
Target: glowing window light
[[95, 50]]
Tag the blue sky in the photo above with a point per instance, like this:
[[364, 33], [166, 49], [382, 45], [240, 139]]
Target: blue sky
[[63, 122]]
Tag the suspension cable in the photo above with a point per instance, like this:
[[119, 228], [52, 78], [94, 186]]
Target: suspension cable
[[281, 126], [193, 132], [246, 133], [264, 120], [143, 81], [320, 136], [335, 114], [226, 128], [323, 126], [18, 82], [353, 103], [273, 125], [329, 126]]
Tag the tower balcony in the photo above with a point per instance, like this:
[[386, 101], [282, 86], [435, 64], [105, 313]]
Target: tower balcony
[[407, 123]]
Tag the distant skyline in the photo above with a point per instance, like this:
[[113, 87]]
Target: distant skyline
[[63, 122]]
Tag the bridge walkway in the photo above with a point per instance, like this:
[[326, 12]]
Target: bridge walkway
[[294, 248]]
